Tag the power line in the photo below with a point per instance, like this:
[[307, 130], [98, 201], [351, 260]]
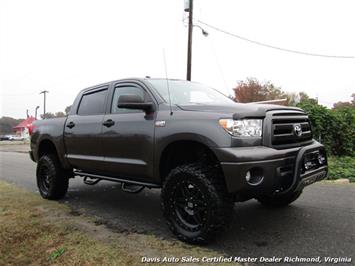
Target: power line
[[219, 66], [272, 46]]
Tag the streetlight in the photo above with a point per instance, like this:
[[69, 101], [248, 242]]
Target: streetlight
[[44, 92], [36, 112], [203, 31]]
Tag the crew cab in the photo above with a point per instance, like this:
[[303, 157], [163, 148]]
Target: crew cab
[[203, 150]]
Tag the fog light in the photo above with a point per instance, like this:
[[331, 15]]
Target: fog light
[[321, 159], [248, 176], [254, 176], [308, 165]]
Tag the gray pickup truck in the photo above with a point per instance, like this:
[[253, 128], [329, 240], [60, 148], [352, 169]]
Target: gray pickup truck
[[204, 150]]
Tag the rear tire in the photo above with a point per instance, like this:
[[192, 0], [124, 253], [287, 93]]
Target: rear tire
[[52, 181], [196, 203], [279, 201]]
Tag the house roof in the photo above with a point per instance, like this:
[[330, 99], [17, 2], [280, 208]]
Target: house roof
[[25, 123]]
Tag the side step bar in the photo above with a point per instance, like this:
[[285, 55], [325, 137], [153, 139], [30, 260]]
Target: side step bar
[[113, 179]]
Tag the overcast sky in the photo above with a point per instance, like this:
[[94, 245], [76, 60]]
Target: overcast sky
[[65, 46]]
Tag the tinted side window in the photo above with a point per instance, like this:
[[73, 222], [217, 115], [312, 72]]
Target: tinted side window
[[124, 90], [93, 103]]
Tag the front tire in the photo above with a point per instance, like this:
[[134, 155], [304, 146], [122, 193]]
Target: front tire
[[279, 201], [52, 182], [195, 202]]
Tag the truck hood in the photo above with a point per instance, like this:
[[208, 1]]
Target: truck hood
[[238, 110]]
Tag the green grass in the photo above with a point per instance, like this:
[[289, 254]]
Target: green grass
[[341, 167]]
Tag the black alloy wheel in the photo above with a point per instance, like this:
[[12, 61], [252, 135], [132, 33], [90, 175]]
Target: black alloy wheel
[[196, 203], [44, 179], [190, 206], [52, 179]]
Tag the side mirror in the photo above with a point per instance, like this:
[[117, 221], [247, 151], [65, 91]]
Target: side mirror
[[133, 101]]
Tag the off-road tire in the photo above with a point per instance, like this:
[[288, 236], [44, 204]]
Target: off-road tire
[[52, 181], [206, 192], [279, 201]]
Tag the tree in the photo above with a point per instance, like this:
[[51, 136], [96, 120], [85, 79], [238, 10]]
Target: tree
[[48, 116], [59, 114], [333, 128], [67, 110], [252, 90], [7, 124], [340, 105], [304, 98], [51, 115]]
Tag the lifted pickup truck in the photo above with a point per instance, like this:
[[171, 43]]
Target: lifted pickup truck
[[204, 150]]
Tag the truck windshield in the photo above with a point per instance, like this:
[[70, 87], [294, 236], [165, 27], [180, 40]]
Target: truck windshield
[[184, 92]]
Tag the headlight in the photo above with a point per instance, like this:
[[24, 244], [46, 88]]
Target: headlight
[[243, 128]]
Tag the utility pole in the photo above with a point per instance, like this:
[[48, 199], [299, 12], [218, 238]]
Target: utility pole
[[44, 102], [189, 41]]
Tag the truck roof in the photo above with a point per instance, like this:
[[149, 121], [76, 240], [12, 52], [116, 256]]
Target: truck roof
[[130, 79]]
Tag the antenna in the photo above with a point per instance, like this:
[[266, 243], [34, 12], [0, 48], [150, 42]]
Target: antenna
[[167, 82]]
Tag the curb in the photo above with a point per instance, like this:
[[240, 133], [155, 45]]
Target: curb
[[338, 181]]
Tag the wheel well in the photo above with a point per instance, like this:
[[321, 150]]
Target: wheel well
[[184, 152], [46, 147]]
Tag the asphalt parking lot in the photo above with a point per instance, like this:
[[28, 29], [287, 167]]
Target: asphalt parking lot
[[320, 223]]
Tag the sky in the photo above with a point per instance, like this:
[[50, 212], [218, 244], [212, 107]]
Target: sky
[[65, 46]]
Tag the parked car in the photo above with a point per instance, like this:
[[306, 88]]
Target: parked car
[[4, 137], [11, 137], [15, 138], [202, 149]]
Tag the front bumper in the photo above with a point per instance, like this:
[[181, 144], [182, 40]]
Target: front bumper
[[282, 170]]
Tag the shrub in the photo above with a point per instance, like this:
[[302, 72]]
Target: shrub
[[333, 128], [341, 167]]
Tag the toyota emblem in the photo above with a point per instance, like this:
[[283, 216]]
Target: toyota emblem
[[297, 129]]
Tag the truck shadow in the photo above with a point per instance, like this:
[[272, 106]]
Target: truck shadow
[[254, 229]]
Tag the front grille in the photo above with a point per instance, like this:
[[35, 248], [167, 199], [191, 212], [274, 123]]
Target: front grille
[[290, 129]]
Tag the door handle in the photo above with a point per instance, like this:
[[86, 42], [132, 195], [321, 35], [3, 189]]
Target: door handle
[[71, 124], [108, 123]]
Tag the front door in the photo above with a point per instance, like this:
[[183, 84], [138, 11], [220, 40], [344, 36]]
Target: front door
[[83, 132], [128, 136]]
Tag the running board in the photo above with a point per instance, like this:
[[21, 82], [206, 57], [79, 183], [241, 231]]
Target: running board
[[113, 179]]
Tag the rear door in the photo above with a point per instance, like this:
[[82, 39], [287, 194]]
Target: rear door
[[83, 131], [128, 136]]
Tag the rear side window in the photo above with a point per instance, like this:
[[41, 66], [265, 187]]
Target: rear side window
[[93, 103]]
